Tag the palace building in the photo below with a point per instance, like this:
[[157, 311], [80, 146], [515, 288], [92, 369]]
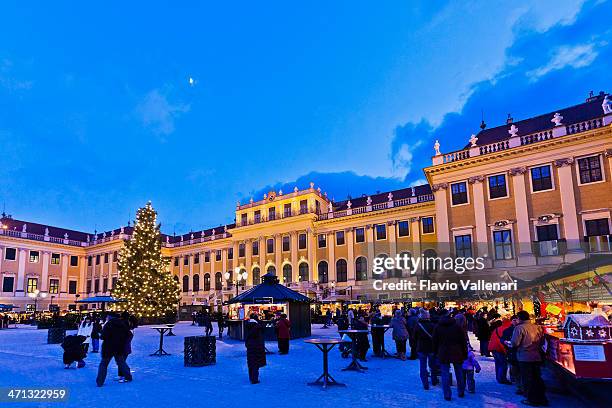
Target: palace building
[[528, 197]]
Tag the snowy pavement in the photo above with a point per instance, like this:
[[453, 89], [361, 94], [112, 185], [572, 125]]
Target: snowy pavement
[[27, 361]]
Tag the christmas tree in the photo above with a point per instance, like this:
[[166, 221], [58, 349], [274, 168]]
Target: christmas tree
[[145, 283]]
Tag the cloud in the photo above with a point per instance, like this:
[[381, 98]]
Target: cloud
[[531, 82], [158, 114], [576, 56]]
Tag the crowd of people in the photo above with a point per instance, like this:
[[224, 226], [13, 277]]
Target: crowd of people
[[438, 339]]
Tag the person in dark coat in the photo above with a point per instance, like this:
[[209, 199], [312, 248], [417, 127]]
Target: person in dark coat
[[377, 333], [361, 339], [95, 334], [283, 334], [221, 324], [411, 322], [74, 350], [483, 333], [450, 346], [511, 355], [115, 335], [256, 348], [207, 323], [423, 334], [127, 318]]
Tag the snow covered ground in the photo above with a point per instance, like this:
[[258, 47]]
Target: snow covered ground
[[27, 361]]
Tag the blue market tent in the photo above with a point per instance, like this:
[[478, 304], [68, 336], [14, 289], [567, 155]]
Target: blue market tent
[[100, 299], [270, 291]]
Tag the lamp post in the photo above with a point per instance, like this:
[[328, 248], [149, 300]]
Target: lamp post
[[240, 277], [51, 304], [36, 294]]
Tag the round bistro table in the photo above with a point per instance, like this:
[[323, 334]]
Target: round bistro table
[[325, 345]]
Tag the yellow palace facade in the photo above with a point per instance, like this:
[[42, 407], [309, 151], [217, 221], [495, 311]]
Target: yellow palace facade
[[527, 196]]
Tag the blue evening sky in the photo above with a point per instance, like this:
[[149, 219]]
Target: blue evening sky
[[97, 113]]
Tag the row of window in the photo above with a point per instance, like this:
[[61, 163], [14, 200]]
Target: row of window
[[99, 258], [96, 285], [403, 230], [287, 212], [380, 230], [589, 171], [502, 239], [8, 285], [10, 254]]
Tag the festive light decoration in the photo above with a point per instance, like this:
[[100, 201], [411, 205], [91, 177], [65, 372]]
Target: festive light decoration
[[145, 282]]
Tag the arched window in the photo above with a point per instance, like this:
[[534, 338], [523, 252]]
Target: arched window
[[303, 272], [196, 283], [176, 279], [207, 282], [271, 270], [361, 269], [323, 275], [430, 264], [256, 276], [409, 270], [218, 281], [287, 274], [341, 270], [186, 283]]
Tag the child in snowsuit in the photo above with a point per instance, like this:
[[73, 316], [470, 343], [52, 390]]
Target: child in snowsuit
[[469, 366]]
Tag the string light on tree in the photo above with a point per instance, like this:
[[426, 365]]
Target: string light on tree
[[145, 282]]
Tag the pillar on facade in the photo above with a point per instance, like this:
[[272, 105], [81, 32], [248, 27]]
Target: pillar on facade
[[278, 252], [350, 262], [294, 255], [247, 260], [415, 232], [64, 276], [525, 256], [480, 216], [82, 275], [311, 244], [370, 246], [568, 207], [190, 273], [21, 266], [44, 284], [440, 199], [331, 256], [392, 225]]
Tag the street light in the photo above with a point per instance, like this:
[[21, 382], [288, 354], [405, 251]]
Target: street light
[[36, 294], [240, 277]]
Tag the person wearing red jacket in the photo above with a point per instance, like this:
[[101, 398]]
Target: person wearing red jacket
[[499, 351], [283, 327]]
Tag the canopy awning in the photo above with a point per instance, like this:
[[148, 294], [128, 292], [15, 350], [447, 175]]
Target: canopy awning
[[100, 299], [5, 307], [269, 291]]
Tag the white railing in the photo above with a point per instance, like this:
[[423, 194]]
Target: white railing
[[195, 240], [377, 207], [584, 126], [517, 141]]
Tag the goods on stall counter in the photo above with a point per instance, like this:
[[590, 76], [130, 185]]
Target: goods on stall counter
[[587, 327]]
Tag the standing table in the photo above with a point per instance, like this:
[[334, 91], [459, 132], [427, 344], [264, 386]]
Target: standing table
[[325, 345], [384, 328], [354, 365], [170, 334], [161, 330]]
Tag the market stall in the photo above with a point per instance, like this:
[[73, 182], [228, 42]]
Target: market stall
[[267, 299], [583, 349]]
